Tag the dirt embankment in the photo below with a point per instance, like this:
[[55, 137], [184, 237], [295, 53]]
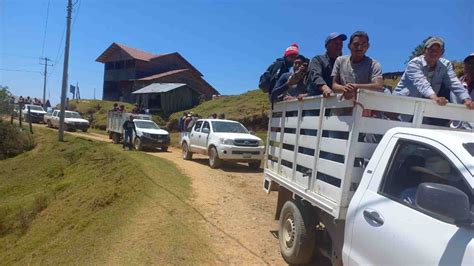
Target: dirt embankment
[[234, 209]]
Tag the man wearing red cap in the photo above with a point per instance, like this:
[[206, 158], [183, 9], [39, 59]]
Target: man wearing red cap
[[277, 68]]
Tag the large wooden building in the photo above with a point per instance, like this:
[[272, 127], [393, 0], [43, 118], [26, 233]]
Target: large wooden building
[[127, 70]]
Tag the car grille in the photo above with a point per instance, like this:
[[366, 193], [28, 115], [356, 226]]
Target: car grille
[[246, 142], [158, 136], [246, 152]]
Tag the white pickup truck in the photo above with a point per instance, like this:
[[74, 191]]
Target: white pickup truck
[[223, 140], [361, 189], [148, 133], [36, 113], [72, 120]]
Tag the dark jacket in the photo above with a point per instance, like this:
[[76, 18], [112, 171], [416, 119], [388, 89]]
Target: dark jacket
[[129, 126], [282, 89], [320, 70], [273, 73]]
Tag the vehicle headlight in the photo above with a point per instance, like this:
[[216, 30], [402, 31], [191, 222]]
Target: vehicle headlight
[[147, 135], [260, 143], [228, 141]]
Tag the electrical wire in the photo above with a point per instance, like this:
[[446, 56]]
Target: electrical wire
[[45, 29], [20, 70]]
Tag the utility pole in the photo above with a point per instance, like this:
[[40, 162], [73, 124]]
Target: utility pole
[[65, 73], [45, 76]]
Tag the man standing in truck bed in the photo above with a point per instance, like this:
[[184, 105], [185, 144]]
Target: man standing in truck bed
[[129, 128], [356, 71]]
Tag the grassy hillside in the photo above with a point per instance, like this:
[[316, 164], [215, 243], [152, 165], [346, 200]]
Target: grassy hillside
[[251, 108], [13, 140], [72, 202], [98, 109]]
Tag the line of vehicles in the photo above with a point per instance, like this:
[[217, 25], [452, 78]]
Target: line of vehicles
[[356, 188], [72, 120]]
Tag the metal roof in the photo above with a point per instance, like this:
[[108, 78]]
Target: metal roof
[[159, 87]]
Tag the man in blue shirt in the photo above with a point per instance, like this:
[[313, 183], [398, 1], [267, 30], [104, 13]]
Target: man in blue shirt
[[425, 74], [320, 67]]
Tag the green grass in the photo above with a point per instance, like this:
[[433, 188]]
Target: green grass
[[99, 109], [250, 108], [70, 202]]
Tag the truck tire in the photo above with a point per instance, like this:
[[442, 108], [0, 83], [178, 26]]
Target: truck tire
[[296, 233], [214, 160], [49, 124], [254, 165], [164, 149], [137, 144], [187, 155], [115, 138], [84, 130]]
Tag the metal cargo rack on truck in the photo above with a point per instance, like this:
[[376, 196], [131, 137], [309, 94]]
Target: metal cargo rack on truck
[[319, 156]]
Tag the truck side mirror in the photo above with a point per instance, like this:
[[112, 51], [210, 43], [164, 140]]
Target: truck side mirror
[[206, 130], [444, 201]]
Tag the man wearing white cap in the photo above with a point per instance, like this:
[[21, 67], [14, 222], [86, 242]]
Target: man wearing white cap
[[426, 73]]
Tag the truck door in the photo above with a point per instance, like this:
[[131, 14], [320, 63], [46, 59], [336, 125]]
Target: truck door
[[204, 136], [389, 228], [194, 136], [55, 118]]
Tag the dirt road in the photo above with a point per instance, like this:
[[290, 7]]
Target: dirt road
[[237, 213]]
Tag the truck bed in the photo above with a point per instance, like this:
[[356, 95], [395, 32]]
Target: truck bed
[[115, 120], [317, 152]]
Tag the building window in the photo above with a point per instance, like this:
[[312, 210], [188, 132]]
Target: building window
[[129, 64], [119, 64], [109, 65]]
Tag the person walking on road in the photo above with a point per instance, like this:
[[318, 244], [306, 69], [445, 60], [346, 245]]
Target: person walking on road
[[129, 128]]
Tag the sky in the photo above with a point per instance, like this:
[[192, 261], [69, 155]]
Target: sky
[[230, 42]]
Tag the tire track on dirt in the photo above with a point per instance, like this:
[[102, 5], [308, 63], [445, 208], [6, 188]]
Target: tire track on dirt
[[238, 214]]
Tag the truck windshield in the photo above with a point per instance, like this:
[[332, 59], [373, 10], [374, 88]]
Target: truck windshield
[[35, 108], [72, 115], [469, 147], [231, 127], [146, 124]]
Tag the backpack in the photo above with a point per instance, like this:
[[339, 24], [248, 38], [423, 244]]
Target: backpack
[[269, 78]]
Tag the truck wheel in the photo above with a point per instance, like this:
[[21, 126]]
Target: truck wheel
[[254, 165], [115, 138], [137, 144], [164, 149], [49, 124], [187, 155], [84, 130], [214, 160], [296, 234]]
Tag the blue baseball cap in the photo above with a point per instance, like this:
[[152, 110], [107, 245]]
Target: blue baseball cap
[[333, 36]]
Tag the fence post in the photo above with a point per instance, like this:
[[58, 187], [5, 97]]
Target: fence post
[[29, 120], [19, 114]]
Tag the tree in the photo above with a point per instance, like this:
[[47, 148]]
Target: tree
[[419, 50], [5, 100]]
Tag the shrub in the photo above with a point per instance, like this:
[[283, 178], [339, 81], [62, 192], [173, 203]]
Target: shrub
[[13, 140]]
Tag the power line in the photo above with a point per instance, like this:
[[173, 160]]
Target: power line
[[45, 28], [60, 52], [18, 55], [20, 70]]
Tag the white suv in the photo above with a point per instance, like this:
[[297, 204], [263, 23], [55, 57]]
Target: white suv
[[223, 140]]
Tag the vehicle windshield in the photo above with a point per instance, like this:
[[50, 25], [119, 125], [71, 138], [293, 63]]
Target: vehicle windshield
[[35, 108], [230, 127], [146, 124], [469, 147], [73, 115]]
